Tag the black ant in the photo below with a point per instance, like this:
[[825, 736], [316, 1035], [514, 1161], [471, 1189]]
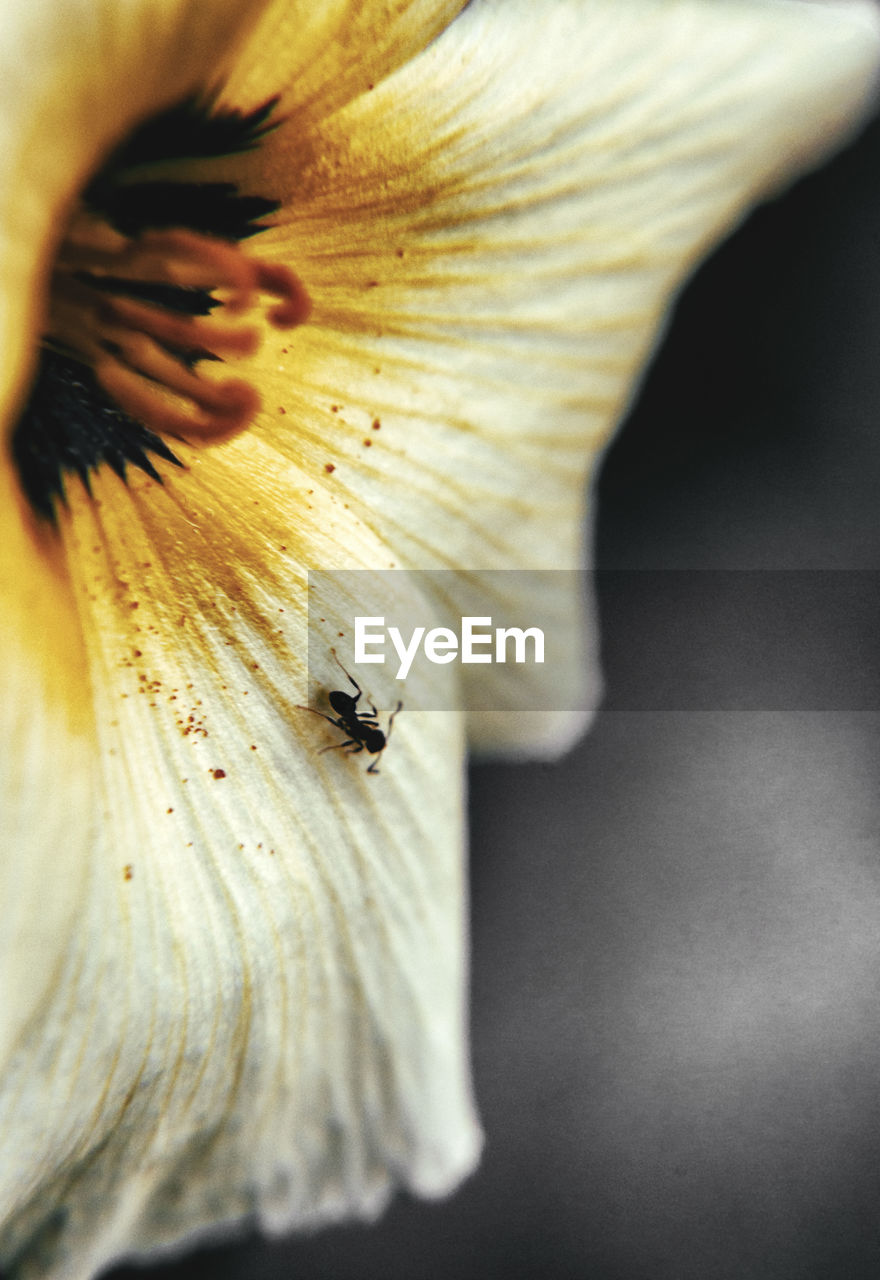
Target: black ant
[[363, 731]]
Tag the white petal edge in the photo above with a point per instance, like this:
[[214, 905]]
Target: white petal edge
[[492, 240]]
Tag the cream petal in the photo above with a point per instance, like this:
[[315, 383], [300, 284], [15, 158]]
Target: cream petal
[[320, 56], [257, 1004], [491, 239]]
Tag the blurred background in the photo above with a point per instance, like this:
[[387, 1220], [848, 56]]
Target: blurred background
[[676, 929]]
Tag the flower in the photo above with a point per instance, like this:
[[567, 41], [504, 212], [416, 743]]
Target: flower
[[234, 971]]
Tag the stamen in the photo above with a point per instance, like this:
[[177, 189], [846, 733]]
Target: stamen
[[189, 260], [278, 280], [142, 352], [86, 233], [187, 333], [227, 407]]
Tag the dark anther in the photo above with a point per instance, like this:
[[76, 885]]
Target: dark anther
[[70, 425]]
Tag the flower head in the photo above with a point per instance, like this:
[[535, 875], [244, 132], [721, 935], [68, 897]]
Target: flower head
[[286, 287]]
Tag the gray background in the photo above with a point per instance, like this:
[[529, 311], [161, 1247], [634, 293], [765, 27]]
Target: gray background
[[677, 928]]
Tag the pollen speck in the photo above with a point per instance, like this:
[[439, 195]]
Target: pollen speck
[[128, 871], [281, 409], [367, 443], [219, 773], [376, 424], [169, 810], [329, 467], [334, 408]]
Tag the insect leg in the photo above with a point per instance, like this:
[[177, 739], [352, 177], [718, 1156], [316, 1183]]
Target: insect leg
[[330, 719], [347, 675], [338, 746], [399, 707]]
